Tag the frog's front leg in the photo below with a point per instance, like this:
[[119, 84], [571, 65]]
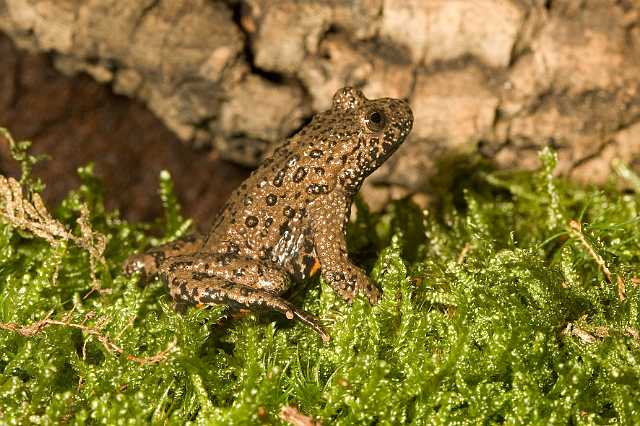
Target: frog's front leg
[[210, 278], [328, 220], [148, 263]]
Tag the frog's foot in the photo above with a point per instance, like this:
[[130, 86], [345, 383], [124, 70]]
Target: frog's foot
[[148, 264], [199, 289], [312, 322], [352, 283], [369, 290]]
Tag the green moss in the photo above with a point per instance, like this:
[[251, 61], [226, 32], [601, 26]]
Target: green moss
[[497, 308]]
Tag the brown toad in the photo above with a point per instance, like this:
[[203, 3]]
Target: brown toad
[[288, 219]]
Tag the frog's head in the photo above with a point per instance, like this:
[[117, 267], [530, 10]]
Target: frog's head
[[369, 132]]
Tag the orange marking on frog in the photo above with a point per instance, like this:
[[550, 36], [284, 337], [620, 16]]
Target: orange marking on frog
[[315, 268]]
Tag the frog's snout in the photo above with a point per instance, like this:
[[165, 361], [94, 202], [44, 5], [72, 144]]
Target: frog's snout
[[404, 116]]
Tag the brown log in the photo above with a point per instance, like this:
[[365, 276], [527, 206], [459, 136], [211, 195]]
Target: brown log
[[508, 76]]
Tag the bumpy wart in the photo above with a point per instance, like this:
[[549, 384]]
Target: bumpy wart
[[288, 219]]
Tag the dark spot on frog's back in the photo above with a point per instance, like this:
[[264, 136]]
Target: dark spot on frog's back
[[316, 153], [300, 174], [289, 212], [251, 221], [293, 160], [271, 199], [317, 189], [278, 179]]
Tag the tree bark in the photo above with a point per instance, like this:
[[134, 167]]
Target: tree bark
[[501, 77]]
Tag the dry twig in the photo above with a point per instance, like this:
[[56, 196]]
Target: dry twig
[[575, 230], [592, 336], [30, 214], [37, 327], [463, 253]]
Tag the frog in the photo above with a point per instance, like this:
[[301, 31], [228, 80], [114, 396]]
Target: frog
[[287, 221]]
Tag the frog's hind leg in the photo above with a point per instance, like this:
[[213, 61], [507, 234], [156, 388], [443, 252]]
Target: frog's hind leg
[[197, 280], [148, 263], [212, 290]]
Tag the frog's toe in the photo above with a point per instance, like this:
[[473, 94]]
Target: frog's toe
[[145, 264], [374, 294], [313, 323], [370, 291], [132, 265]]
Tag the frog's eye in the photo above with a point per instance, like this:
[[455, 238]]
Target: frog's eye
[[375, 120]]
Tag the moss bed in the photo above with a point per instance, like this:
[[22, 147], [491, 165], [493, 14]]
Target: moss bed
[[513, 299]]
